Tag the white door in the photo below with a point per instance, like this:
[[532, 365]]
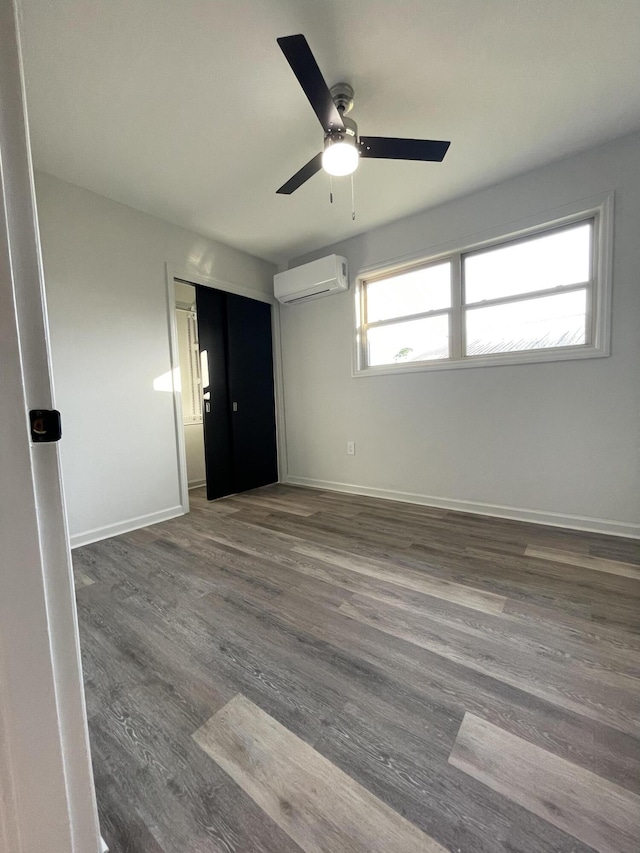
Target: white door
[[47, 800]]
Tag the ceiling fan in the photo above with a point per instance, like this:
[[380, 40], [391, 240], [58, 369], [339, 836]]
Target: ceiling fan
[[342, 146]]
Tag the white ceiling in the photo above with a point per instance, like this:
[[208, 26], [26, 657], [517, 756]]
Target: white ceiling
[[188, 110]]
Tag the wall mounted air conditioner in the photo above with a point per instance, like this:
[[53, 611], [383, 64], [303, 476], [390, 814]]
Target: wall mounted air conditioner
[[311, 281]]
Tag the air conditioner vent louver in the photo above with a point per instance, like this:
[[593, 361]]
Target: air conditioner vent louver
[[311, 281], [303, 298]]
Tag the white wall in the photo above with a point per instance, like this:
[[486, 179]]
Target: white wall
[[556, 442], [106, 293], [194, 450]]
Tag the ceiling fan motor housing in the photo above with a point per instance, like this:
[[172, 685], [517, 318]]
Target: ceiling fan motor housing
[[350, 133], [342, 95]]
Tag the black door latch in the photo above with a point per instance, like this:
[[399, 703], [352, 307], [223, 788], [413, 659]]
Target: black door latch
[[46, 425]]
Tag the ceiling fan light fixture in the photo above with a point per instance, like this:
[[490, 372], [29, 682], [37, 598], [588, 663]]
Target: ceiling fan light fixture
[[340, 157]]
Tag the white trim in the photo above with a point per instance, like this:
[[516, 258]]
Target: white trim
[[278, 384], [604, 276], [534, 516], [109, 530], [189, 276], [192, 276], [174, 365], [197, 484], [600, 207], [49, 802], [187, 326], [9, 813], [476, 361]]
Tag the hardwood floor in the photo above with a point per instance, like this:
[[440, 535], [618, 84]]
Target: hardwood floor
[[587, 806], [295, 670]]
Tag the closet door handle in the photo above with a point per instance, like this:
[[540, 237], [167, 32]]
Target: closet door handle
[[234, 406]]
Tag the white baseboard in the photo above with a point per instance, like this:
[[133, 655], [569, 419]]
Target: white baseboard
[[196, 484], [534, 516], [103, 846], [109, 530]]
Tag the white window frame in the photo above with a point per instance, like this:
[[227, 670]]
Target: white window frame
[[191, 369], [600, 211]]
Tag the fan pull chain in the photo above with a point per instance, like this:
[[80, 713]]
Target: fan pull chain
[[330, 189], [353, 199]]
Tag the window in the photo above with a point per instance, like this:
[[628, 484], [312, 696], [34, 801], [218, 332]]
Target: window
[[189, 354], [538, 295]]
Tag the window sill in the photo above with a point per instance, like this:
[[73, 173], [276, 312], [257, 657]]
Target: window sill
[[502, 360]]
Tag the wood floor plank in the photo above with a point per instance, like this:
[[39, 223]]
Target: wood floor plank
[[81, 579], [321, 808], [614, 548], [196, 811], [321, 645], [585, 561], [120, 824], [602, 695], [345, 502], [452, 688], [141, 536], [209, 649], [567, 589], [322, 532], [593, 810], [372, 744], [272, 504], [333, 524], [465, 595], [128, 645], [523, 628], [496, 573], [530, 573]]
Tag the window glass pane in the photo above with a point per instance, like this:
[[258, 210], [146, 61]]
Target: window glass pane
[[549, 260], [548, 321], [413, 340], [189, 371], [415, 292]]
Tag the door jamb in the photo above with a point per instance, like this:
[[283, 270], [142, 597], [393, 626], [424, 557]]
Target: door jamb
[[47, 801], [191, 276]]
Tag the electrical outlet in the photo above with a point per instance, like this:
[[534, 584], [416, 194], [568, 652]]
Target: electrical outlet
[[351, 448]]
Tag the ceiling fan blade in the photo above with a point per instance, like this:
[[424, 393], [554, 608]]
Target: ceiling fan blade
[[303, 64], [307, 171], [402, 149]]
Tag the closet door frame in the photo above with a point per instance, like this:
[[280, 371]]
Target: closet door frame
[[191, 276]]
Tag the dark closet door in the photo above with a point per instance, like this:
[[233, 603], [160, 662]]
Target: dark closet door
[[250, 372], [211, 306]]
